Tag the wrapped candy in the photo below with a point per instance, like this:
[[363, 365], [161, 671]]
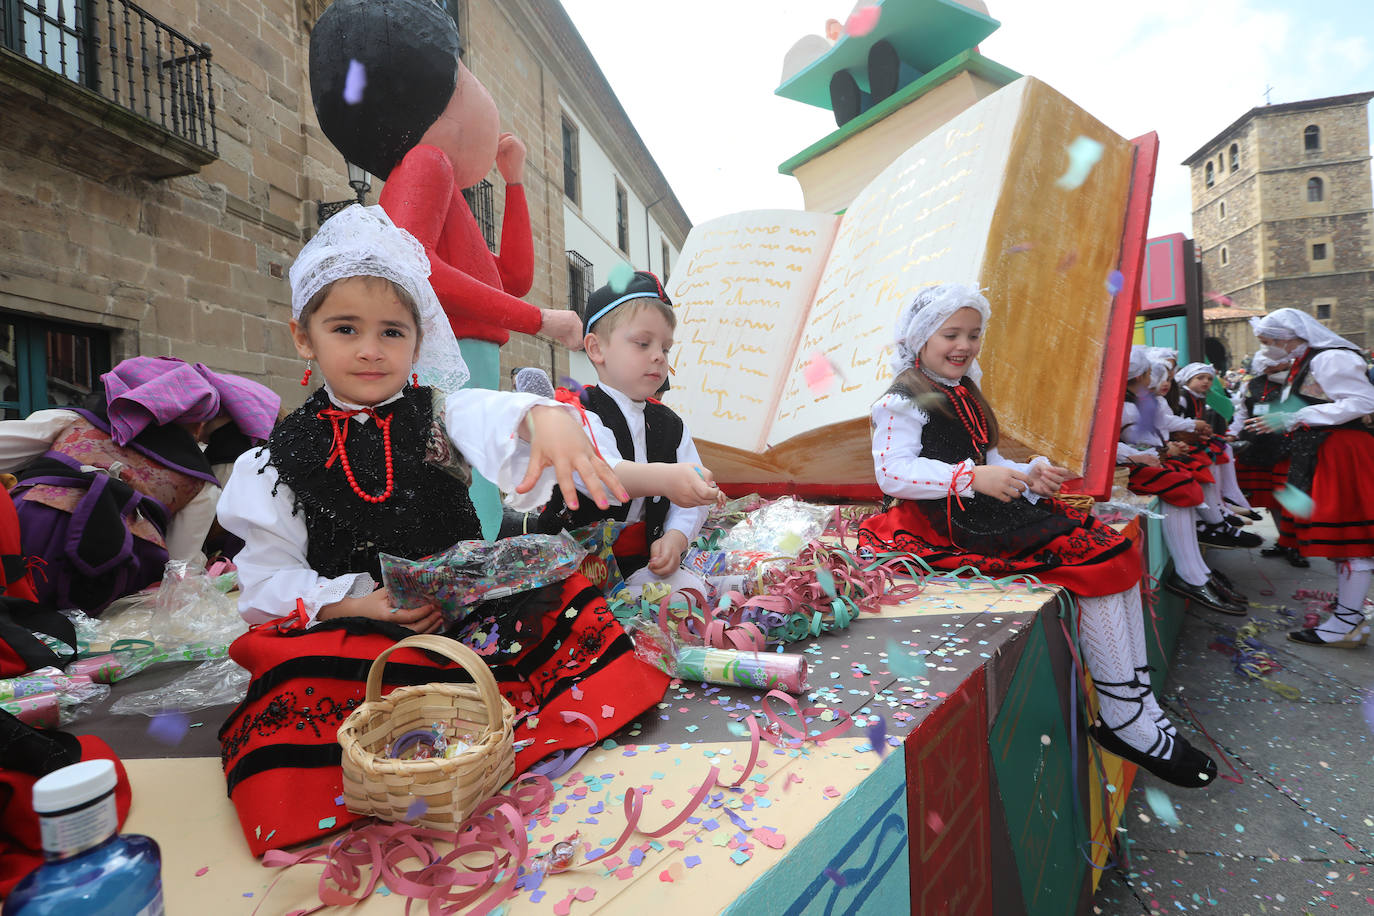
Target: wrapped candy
[[473, 571]]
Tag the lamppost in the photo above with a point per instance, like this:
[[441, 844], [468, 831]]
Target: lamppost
[[359, 180]]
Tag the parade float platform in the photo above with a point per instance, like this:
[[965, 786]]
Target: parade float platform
[[973, 809]]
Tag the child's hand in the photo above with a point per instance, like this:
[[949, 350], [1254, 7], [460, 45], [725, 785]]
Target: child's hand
[[1149, 460], [1175, 449], [1201, 426], [665, 554], [379, 606], [999, 482], [557, 440], [689, 486], [1046, 479]]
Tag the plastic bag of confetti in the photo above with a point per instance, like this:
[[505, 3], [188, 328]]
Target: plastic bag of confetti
[[600, 566], [769, 536], [473, 571]]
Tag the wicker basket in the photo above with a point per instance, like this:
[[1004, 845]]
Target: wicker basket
[[1080, 501], [1121, 477], [450, 786]]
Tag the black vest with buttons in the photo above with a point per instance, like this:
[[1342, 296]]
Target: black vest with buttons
[[662, 435]]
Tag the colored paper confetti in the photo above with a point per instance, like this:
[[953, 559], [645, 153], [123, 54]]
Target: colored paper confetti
[[619, 278], [327, 823], [1084, 153], [418, 807], [354, 83], [877, 735], [819, 373], [200, 872], [1162, 807], [1218, 298], [902, 663], [169, 728], [1294, 501], [835, 876], [862, 21], [1115, 281]]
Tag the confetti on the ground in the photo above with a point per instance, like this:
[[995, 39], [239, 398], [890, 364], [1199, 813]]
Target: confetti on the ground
[[862, 21], [327, 823], [619, 278], [202, 870], [355, 82], [1084, 152], [169, 728]]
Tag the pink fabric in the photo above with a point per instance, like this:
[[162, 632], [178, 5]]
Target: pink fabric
[[152, 391]]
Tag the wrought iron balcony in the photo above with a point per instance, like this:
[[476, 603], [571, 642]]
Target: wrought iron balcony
[[119, 52]]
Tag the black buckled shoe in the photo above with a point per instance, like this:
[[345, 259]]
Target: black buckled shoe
[[1204, 595], [1227, 538], [1251, 514], [1296, 559], [1355, 639], [1221, 583], [1186, 767], [1274, 550]]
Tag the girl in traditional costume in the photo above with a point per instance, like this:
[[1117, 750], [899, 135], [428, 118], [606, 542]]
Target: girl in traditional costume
[[953, 500], [1215, 527], [108, 493], [1325, 408], [1262, 457], [1176, 475], [378, 460]]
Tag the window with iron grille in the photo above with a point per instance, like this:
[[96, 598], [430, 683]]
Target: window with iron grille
[[571, 188], [581, 281], [483, 210], [622, 218], [47, 364]]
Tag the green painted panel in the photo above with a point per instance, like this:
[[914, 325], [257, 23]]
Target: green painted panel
[[1033, 779]]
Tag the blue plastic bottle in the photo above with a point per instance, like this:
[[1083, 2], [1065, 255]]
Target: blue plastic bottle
[[90, 870]]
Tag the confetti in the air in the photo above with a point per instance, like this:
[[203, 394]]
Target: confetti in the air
[[1115, 281], [1162, 807], [1218, 298], [819, 373], [354, 83], [416, 809], [1084, 152], [1295, 501], [877, 735], [619, 278], [169, 728], [862, 21], [902, 663]]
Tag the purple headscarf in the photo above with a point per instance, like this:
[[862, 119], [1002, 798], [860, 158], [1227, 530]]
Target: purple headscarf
[[152, 391]]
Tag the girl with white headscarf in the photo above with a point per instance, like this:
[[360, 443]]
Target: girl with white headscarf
[[1261, 458], [1325, 409], [1173, 473], [954, 500], [1216, 528], [377, 461]]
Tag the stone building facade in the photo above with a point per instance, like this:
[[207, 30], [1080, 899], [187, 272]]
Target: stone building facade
[[1283, 215], [154, 190]]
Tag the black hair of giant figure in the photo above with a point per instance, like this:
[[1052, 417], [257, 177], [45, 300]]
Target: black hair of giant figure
[[408, 50]]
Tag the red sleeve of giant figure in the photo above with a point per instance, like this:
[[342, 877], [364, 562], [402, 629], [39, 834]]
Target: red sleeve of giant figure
[[471, 284]]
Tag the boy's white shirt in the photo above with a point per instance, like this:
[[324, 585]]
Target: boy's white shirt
[[688, 521], [273, 570]]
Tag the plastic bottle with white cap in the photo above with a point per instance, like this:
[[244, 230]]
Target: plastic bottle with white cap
[[90, 869]]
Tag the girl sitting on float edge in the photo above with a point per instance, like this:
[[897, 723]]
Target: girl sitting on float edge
[[1331, 449], [953, 500], [376, 462]]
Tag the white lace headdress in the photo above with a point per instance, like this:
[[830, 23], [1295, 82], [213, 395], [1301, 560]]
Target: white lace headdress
[[364, 242], [1286, 324], [926, 313]]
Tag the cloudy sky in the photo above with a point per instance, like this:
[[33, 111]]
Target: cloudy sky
[[697, 77]]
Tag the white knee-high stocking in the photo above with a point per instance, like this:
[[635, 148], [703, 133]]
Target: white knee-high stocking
[[1230, 486], [1353, 578], [1180, 536], [1210, 510], [1109, 651]]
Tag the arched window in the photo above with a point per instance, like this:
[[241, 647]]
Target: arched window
[[1221, 209], [1312, 138], [1235, 157], [1315, 191], [1224, 256], [1210, 174]]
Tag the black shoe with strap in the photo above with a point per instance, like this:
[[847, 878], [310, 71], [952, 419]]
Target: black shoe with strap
[[1355, 639], [1227, 538], [1296, 559], [1221, 583], [1170, 758], [1204, 595]]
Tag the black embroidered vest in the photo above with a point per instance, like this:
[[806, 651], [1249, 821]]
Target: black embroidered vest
[[428, 511], [662, 436], [1305, 441], [1195, 408]]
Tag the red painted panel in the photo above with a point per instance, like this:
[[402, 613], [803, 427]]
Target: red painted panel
[[948, 815]]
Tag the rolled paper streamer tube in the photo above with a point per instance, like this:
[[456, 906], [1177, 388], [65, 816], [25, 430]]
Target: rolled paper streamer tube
[[743, 669], [30, 684], [41, 710], [103, 669]]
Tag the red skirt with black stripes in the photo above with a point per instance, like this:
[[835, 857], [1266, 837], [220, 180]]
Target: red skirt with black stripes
[[1258, 482], [1177, 481], [1342, 520]]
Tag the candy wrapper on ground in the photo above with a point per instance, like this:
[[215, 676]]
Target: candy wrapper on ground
[[473, 571], [599, 566]]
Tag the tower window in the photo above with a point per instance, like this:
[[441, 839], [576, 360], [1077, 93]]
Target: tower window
[[1225, 257], [1221, 209], [1315, 191], [1324, 311], [1209, 174], [1312, 138], [1319, 251], [1235, 157]]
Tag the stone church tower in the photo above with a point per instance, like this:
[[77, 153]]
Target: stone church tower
[[1283, 217]]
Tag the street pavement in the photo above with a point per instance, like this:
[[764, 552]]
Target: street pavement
[[1292, 830]]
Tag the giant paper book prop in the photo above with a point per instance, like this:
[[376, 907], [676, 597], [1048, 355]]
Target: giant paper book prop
[[759, 294]]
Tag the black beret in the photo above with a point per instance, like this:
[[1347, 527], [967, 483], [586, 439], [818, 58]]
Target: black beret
[[642, 285]]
